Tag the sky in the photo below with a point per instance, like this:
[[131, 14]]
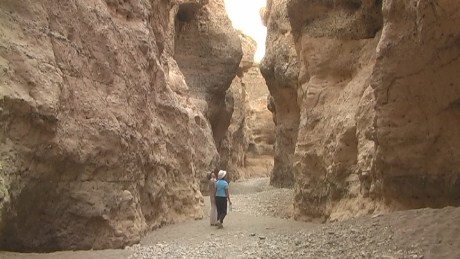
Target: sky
[[245, 17]]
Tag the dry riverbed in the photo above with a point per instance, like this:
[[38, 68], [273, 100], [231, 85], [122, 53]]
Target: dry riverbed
[[260, 226]]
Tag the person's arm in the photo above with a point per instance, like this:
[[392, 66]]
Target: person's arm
[[228, 196]]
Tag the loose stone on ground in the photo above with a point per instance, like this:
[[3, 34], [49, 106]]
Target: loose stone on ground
[[252, 230]]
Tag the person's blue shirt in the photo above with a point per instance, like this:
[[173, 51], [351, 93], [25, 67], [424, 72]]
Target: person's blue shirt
[[221, 186]]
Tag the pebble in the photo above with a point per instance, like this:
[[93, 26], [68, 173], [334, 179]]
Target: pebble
[[352, 239]]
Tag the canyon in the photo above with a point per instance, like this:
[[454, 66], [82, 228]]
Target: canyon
[[114, 112]]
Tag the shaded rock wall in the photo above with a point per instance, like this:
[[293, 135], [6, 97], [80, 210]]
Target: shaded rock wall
[[417, 91], [280, 69], [377, 92], [261, 127], [233, 143], [247, 149], [233, 146], [208, 53], [102, 139], [207, 48]]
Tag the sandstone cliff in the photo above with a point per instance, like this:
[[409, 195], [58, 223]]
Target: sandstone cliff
[[233, 142], [107, 110], [261, 127], [247, 148], [280, 70], [208, 52], [374, 90]]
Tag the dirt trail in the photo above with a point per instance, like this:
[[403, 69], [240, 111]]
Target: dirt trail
[[259, 227], [253, 203]]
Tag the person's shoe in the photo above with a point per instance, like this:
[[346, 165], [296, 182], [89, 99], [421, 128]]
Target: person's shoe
[[219, 225]]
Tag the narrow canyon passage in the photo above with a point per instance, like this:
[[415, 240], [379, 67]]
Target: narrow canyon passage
[[259, 227], [114, 112]]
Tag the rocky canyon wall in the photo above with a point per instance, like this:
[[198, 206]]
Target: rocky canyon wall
[[107, 110], [417, 91], [234, 139], [247, 148], [280, 69], [377, 91], [208, 52], [260, 153]]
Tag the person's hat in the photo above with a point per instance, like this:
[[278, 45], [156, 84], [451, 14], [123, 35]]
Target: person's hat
[[221, 174]]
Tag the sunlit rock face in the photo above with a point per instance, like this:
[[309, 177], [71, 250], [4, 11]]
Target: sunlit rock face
[[259, 156], [336, 46], [103, 137], [247, 149], [376, 90]]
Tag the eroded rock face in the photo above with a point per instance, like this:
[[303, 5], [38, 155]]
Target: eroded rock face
[[261, 127], [417, 91], [102, 138], [281, 70], [233, 146], [377, 92], [336, 53], [247, 149], [234, 139], [208, 53], [206, 49]]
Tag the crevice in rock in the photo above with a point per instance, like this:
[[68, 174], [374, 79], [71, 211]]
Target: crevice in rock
[[187, 12]]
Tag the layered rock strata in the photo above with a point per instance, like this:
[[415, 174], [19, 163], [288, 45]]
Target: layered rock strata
[[105, 129], [377, 93]]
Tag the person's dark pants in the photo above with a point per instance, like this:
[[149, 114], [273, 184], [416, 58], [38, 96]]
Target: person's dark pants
[[221, 204]]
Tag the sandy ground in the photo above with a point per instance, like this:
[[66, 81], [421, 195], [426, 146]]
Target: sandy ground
[[260, 227]]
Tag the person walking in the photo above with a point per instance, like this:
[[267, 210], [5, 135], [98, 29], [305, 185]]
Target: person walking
[[222, 195], [212, 196]]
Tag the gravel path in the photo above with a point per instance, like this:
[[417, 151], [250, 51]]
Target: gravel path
[[260, 227]]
